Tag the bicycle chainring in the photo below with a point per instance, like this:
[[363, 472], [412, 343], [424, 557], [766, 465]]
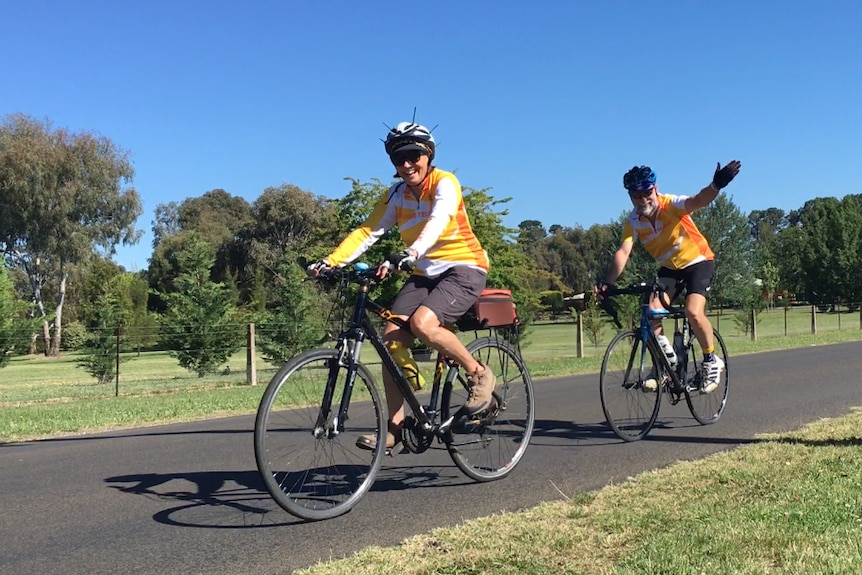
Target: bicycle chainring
[[414, 439]]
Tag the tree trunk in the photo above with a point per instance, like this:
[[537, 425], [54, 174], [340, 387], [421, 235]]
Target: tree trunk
[[31, 267], [58, 315]]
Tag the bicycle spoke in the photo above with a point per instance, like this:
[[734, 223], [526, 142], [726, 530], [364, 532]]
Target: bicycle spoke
[[317, 472], [706, 408], [630, 409], [489, 445]]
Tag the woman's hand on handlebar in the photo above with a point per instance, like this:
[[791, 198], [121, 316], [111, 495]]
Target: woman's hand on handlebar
[[383, 270]]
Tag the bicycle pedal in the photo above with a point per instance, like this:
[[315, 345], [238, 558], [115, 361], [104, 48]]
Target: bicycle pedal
[[397, 450]]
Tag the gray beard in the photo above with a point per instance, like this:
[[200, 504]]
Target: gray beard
[[648, 211]]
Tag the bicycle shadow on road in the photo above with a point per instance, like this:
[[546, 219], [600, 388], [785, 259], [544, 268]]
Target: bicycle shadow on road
[[210, 499], [560, 433], [239, 500]]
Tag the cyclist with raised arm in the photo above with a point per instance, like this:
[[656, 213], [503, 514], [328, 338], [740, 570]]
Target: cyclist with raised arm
[[662, 222], [449, 265]]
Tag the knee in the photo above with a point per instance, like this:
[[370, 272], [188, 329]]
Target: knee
[[423, 325]]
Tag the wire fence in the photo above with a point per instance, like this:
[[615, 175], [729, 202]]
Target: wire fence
[[142, 367], [786, 321]]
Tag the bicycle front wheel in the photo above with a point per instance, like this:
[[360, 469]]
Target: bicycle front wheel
[[630, 408], [309, 462], [706, 408], [489, 445]]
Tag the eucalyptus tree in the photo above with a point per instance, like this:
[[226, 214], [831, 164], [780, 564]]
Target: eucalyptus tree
[[66, 195]]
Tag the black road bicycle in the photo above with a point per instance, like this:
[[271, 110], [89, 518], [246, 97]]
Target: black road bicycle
[[634, 356], [321, 401]]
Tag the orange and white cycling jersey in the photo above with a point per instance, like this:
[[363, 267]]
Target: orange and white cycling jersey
[[674, 241], [435, 225]]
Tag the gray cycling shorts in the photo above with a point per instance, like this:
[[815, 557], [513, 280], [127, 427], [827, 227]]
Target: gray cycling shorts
[[449, 295]]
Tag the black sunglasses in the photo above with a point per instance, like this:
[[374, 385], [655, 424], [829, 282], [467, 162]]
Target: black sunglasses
[[637, 194], [398, 158]]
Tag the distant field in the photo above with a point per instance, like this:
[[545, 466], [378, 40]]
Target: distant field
[[41, 396]]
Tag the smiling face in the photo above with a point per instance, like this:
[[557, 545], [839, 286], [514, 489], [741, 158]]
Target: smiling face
[[411, 166], [645, 202]]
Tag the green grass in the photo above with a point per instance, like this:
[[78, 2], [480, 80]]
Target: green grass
[[789, 504], [41, 397]]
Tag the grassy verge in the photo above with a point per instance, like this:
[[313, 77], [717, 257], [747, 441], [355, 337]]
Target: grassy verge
[[42, 397], [789, 504]]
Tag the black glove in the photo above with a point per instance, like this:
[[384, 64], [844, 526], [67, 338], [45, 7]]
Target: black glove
[[403, 261], [601, 289], [725, 175]]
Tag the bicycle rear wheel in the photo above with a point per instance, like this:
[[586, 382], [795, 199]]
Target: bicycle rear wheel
[[489, 445], [311, 468], [630, 409], [706, 408]]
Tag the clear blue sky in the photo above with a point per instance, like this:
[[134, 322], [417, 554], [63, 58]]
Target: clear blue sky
[[546, 102]]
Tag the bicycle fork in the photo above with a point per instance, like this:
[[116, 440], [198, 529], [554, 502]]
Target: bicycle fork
[[330, 423]]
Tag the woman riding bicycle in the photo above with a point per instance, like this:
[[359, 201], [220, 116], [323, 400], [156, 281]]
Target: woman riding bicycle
[[663, 224], [449, 265]]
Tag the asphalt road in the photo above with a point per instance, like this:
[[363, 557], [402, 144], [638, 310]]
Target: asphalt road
[[186, 498]]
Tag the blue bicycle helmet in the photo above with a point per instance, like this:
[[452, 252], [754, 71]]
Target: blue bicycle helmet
[[639, 179]]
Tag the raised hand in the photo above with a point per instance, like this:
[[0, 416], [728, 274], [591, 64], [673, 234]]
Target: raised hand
[[725, 175]]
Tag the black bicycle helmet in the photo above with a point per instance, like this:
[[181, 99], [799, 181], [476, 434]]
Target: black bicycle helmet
[[409, 136], [639, 178]]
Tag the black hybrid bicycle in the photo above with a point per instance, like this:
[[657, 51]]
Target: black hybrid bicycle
[[634, 357], [320, 402]]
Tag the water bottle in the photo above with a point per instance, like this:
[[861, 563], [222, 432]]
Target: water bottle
[[408, 365], [667, 348]]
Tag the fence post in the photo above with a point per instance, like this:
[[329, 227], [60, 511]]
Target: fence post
[[814, 319], [117, 375], [860, 317], [753, 319], [250, 358], [579, 337], [785, 320]]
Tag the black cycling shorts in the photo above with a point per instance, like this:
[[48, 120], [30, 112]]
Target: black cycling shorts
[[695, 278]]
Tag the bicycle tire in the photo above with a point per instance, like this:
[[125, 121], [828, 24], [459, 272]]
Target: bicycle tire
[[310, 477], [706, 408], [630, 410], [489, 446]]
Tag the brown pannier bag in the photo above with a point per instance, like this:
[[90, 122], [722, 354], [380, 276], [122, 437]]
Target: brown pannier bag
[[494, 308]]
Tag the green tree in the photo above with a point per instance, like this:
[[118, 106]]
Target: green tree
[[14, 330], [831, 259], [216, 218], [297, 319], [201, 326], [101, 350], [790, 244], [511, 268], [353, 209], [64, 197], [729, 235]]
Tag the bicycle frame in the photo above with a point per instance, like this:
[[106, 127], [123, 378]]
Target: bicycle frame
[[350, 345], [678, 375]]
